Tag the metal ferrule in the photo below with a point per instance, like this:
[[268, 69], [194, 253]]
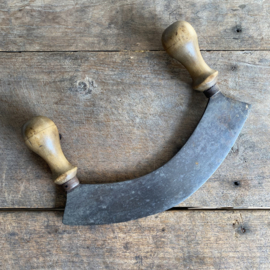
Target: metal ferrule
[[71, 184]]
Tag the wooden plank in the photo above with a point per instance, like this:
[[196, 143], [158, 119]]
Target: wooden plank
[[172, 240], [52, 25], [122, 115]]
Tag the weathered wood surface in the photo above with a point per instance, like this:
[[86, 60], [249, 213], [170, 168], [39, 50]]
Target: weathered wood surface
[[171, 240], [52, 25], [122, 115]]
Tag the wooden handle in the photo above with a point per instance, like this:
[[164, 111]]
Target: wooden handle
[[180, 41], [41, 136]]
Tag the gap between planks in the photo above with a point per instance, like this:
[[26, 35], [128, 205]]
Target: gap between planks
[[169, 210], [132, 51]]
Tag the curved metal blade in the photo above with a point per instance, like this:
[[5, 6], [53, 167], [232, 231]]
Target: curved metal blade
[[169, 185]]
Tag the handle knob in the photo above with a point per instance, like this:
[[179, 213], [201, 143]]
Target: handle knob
[[180, 41], [41, 136]]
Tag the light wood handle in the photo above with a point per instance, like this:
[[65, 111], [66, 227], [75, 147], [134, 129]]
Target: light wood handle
[[180, 41], [41, 136]]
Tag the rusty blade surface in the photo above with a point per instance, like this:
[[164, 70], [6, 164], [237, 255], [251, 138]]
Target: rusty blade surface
[[172, 183]]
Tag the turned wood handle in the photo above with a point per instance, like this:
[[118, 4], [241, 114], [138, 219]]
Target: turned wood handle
[[41, 136], [180, 41]]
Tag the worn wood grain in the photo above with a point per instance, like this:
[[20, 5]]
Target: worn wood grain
[[180, 41], [41, 136], [171, 240], [122, 115], [52, 25]]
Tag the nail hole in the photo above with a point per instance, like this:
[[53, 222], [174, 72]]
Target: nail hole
[[237, 28], [243, 230], [60, 136], [236, 183], [66, 186], [163, 229]]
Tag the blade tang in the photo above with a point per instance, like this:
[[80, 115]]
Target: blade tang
[[211, 91]]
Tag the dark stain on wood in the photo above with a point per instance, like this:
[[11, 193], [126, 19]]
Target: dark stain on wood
[[242, 6]]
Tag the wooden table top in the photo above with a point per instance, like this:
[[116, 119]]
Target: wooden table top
[[124, 108]]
